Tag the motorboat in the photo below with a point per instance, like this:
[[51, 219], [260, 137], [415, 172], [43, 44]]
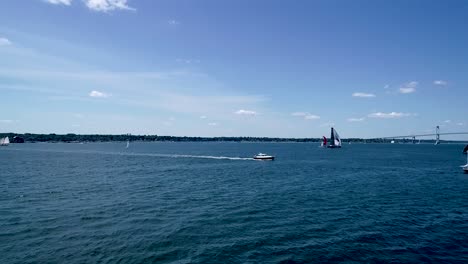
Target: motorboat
[[262, 156]]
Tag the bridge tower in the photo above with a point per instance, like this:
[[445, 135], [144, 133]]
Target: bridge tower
[[437, 135]]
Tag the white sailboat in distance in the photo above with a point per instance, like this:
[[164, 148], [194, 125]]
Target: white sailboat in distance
[[465, 167], [4, 141]]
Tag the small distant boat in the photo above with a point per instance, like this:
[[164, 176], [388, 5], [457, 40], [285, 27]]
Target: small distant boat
[[4, 141], [262, 156], [465, 167], [324, 142], [128, 144], [392, 142], [465, 150], [335, 140]]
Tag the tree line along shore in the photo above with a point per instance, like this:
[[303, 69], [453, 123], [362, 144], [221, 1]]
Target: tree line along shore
[[73, 138]]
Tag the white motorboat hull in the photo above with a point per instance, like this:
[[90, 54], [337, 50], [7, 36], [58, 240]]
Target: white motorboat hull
[[264, 158]]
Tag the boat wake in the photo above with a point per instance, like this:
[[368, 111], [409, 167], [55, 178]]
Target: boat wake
[[160, 155], [185, 156]]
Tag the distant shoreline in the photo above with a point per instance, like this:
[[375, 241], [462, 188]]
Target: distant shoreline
[[82, 138]]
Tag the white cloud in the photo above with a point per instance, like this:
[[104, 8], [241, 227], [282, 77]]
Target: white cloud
[[356, 119], [59, 2], [386, 86], [107, 5], [389, 115], [245, 112], [460, 124], [98, 94], [448, 121], [311, 117], [408, 87], [187, 61], [213, 124], [203, 117], [364, 95], [407, 90], [328, 124], [4, 42], [306, 116], [97, 5], [173, 22], [299, 114], [6, 121], [440, 82]]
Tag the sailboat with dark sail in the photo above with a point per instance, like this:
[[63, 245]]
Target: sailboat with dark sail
[[335, 140]]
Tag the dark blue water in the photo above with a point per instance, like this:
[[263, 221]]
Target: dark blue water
[[189, 203]]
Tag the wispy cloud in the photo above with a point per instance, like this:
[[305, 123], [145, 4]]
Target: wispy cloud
[[328, 124], [311, 117], [389, 115], [212, 124], [97, 5], [187, 61], [203, 117], [5, 42], [108, 5], [173, 22], [246, 112], [356, 119], [440, 82], [306, 116], [460, 124], [407, 90], [447, 121], [409, 87], [363, 95], [6, 121], [59, 2], [299, 114], [98, 94], [386, 86]]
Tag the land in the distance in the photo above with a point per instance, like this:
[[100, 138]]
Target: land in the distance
[[71, 138]]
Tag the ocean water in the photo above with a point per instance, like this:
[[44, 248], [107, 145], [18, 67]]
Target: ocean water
[[211, 203]]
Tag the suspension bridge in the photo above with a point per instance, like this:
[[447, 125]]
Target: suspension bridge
[[413, 137]]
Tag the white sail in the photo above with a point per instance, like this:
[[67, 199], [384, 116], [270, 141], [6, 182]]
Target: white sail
[[128, 144], [4, 141], [337, 138]]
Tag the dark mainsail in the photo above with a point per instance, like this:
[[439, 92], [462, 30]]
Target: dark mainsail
[[335, 141]]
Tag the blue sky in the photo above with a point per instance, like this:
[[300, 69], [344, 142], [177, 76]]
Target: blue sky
[[234, 67]]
